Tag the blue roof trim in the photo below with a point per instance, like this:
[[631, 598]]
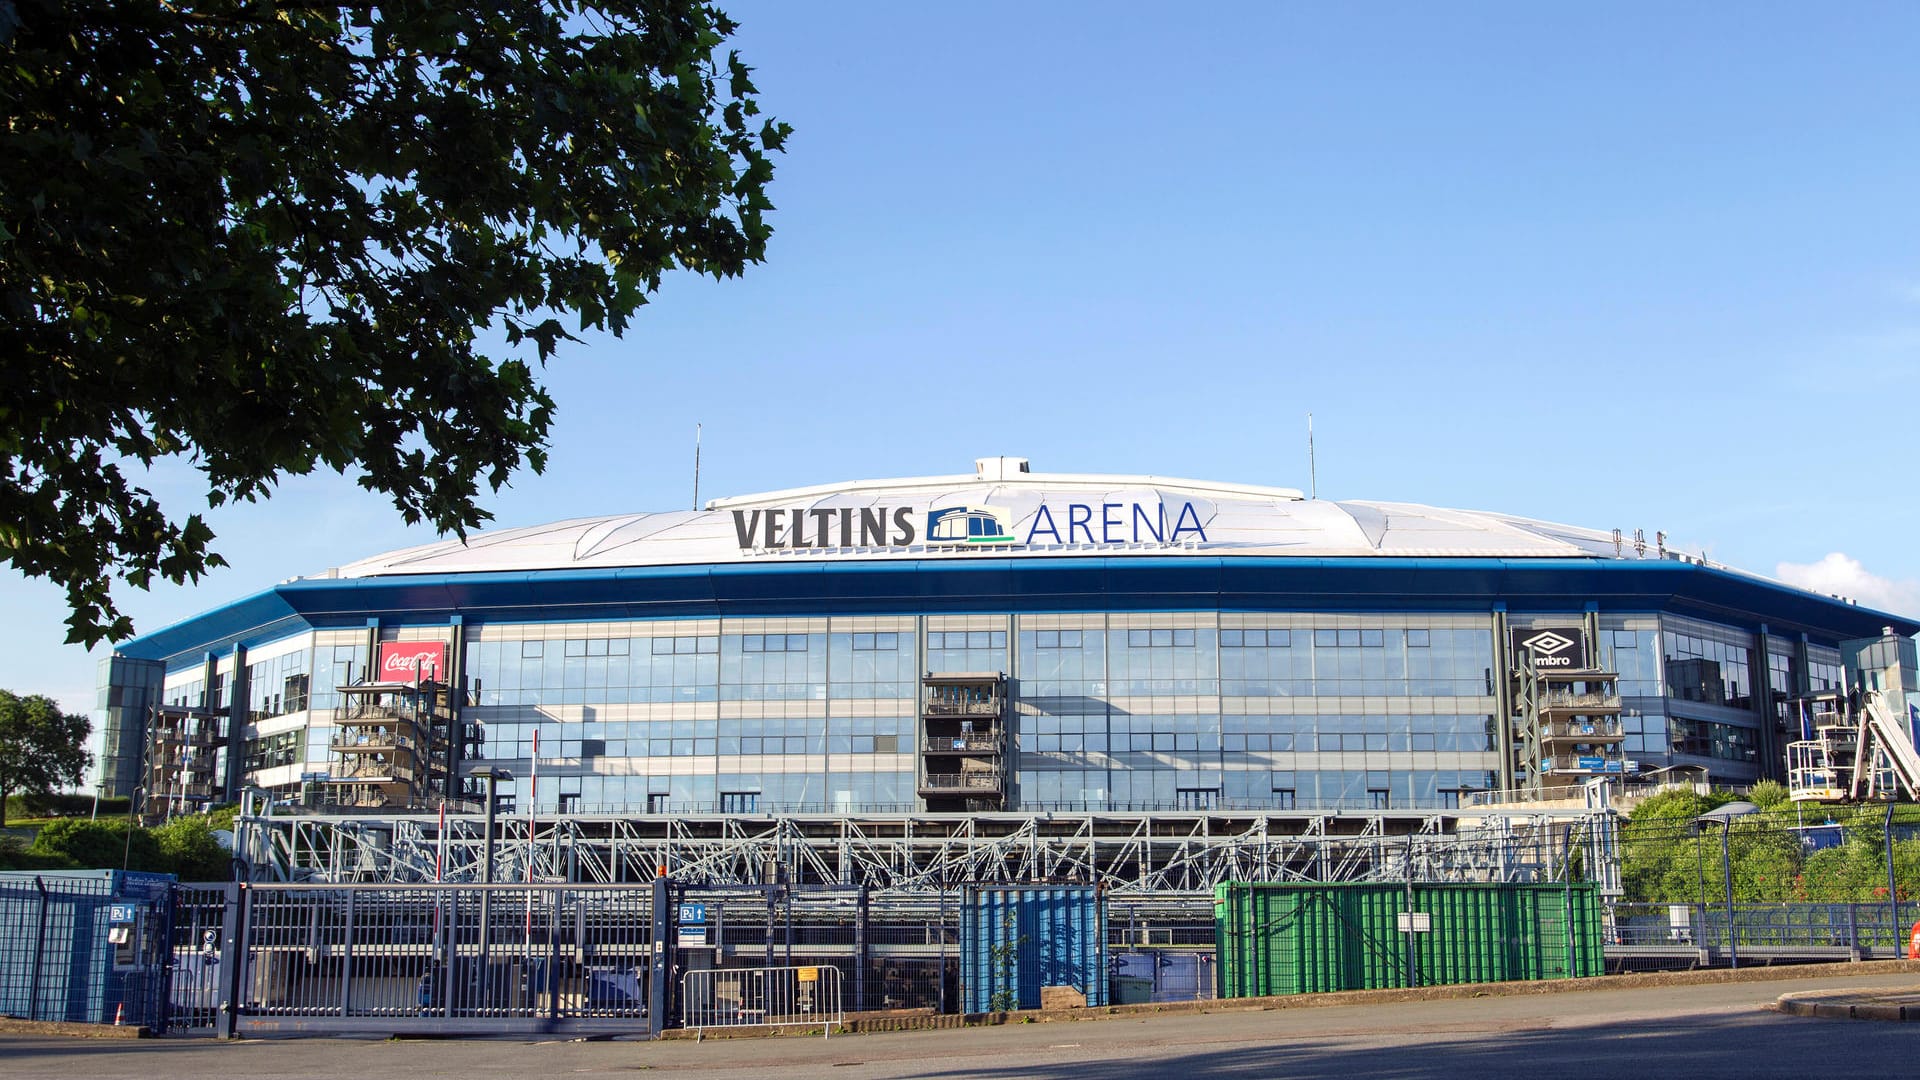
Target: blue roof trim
[[253, 620], [1020, 585]]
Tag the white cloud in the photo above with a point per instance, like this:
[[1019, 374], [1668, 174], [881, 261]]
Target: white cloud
[[1842, 575]]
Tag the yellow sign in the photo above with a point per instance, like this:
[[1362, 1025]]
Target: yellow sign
[[809, 974]]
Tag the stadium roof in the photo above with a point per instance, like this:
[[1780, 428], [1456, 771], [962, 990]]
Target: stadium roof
[[1119, 516]]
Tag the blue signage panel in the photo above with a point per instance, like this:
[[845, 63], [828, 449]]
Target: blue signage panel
[[1593, 764], [120, 914], [693, 914]]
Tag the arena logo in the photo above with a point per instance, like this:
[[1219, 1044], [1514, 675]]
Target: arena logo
[[1559, 647], [1065, 525], [968, 525]]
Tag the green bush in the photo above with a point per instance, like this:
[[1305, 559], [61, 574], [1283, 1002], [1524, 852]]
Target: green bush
[[16, 855], [101, 845], [190, 850]]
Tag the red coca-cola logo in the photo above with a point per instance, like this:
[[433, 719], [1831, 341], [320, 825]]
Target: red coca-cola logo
[[409, 661]]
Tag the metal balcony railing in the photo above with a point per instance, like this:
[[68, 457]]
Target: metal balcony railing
[[1583, 764], [947, 707], [376, 772], [1594, 732], [1580, 701], [166, 738], [362, 742], [966, 781], [962, 744]]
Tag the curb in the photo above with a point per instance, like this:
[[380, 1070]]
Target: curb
[[14, 1026], [1831, 1006], [859, 1024]]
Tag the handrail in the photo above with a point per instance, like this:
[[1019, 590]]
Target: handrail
[[966, 781]]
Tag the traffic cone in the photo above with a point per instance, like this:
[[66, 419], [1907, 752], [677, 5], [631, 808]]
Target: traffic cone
[[120, 1014]]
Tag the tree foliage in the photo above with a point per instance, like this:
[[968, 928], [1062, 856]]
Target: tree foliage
[[268, 237], [1772, 856], [185, 846], [41, 748]]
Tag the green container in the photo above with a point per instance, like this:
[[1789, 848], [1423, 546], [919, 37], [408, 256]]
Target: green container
[[1310, 938]]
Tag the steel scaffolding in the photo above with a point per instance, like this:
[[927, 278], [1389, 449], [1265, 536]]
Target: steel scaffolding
[[1138, 855]]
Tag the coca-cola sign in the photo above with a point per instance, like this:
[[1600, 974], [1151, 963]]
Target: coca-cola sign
[[411, 661]]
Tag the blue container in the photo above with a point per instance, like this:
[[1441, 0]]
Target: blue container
[[1013, 941], [79, 945]]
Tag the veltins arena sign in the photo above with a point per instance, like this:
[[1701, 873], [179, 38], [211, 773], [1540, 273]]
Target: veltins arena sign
[[1066, 524]]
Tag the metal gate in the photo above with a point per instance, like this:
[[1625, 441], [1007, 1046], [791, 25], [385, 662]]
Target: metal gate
[[195, 940], [444, 959]]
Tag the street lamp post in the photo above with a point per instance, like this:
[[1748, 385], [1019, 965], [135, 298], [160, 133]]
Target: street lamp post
[[1726, 872]]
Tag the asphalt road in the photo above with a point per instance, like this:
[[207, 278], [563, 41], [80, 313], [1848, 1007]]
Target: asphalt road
[[1691, 1033]]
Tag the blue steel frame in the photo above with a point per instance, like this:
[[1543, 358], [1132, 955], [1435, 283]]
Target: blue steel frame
[[963, 584]]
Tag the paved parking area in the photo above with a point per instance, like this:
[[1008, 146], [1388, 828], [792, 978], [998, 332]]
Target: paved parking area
[[1727, 1030]]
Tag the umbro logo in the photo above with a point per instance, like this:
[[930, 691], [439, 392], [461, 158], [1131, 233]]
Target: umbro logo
[[1548, 643], [1563, 648]]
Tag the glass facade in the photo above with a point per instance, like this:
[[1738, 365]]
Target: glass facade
[[1109, 711]]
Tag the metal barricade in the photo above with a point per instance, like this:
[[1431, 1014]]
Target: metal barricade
[[763, 997]]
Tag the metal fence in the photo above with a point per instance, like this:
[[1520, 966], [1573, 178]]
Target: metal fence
[[1654, 936], [84, 946], [445, 959], [1788, 886], [763, 997]]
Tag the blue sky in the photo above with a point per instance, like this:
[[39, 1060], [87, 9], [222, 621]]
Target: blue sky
[[1636, 266]]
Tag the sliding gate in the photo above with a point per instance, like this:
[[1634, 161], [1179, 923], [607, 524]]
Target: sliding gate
[[444, 959]]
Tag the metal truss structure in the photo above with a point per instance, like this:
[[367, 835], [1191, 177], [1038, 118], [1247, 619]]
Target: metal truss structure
[[1135, 855]]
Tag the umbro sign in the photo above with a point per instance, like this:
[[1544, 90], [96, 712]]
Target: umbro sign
[[1551, 648]]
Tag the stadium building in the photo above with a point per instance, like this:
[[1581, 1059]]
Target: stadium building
[[1005, 642]]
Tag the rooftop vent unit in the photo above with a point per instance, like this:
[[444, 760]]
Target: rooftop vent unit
[[1000, 468]]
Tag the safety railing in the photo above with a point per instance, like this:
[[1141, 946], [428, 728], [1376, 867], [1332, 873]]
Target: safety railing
[[1580, 701], [965, 781], [961, 744], [763, 997], [1581, 732]]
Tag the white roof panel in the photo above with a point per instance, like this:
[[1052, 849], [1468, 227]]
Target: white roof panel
[[1012, 513]]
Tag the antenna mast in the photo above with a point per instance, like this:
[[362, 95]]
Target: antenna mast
[[1313, 476], [696, 466]]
